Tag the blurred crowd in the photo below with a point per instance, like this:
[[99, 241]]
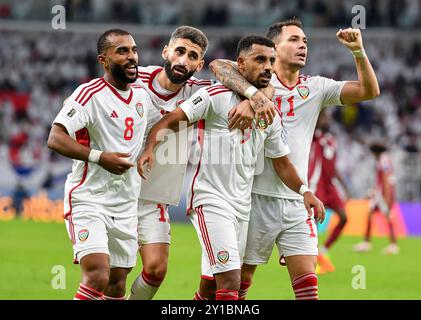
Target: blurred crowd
[[314, 13], [38, 72]]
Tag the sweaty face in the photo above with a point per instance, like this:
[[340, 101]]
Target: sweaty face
[[122, 58], [182, 59], [256, 65], [291, 47]]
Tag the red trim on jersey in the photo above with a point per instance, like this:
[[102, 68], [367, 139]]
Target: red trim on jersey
[[161, 96], [72, 230], [99, 83], [205, 235], [218, 92], [215, 87], [290, 88], [207, 277], [92, 93], [200, 137], [82, 137], [126, 101], [88, 86], [199, 82]]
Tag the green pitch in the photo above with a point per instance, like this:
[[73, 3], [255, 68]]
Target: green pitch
[[32, 255]]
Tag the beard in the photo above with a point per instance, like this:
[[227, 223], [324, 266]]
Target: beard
[[117, 71], [174, 78]]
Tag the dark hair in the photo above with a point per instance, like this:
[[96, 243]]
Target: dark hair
[[246, 43], [103, 43], [276, 29], [193, 34]]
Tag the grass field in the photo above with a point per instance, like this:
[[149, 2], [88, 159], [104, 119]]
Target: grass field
[[30, 250]]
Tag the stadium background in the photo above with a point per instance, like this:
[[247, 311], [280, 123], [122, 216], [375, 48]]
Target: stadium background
[[40, 66]]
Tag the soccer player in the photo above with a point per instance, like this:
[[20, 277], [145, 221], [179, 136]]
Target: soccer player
[[278, 215], [382, 199], [322, 172], [101, 127], [168, 87], [220, 196]]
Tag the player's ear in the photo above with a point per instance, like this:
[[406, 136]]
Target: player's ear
[[240, 62], [102, 60], [165, 52]]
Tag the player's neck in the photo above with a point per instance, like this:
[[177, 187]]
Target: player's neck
[[287, 75], [115, 83], [165, 83]]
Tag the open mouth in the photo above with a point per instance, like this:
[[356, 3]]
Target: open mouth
[[131, 67], [301, 55]]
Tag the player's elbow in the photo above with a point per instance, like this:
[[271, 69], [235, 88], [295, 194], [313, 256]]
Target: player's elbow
[[52, 141], [371, 94]]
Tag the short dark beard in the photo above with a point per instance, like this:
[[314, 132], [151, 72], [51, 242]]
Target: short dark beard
[[117, 72], [175, 78]]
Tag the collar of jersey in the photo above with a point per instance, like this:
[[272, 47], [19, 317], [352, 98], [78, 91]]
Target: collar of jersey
[[161, 96], [126, 101]]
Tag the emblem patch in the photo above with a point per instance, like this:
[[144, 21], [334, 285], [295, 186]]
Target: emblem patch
[[223, 256], [71, 113], [139, 109], [304, 91], [197, 100], [83, 235]]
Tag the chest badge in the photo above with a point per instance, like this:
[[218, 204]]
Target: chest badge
[[139, 109], [304, 91]]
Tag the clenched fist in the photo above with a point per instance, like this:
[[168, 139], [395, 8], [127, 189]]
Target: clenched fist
[[350, 38]]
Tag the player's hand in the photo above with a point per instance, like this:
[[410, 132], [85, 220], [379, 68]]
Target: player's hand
[[311, 201], [350, 38], [115, 162], [263, 108], [147, 158], [241, 116]]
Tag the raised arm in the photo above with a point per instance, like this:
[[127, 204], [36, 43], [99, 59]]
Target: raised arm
[[60, 141], [367, 86], [170, 121], [226, 72], [287, 173]]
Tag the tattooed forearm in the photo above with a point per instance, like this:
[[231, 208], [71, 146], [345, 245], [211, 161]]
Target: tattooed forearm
[[226, 72]]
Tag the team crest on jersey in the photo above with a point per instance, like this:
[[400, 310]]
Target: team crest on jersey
[[179, 102], [139, 109], [262, 124], [223, 256], [304, 91], [83, 235]]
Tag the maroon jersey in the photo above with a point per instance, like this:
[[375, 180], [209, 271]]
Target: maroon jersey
[[322, 169]]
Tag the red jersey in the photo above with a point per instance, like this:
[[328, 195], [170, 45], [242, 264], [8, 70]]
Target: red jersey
[[384, 168], [322, 161]]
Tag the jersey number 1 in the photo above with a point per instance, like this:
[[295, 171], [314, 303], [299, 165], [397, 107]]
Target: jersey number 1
[[290, 100], [128, 133]]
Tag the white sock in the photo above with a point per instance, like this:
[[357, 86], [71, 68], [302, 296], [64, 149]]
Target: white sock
[[142, 289]]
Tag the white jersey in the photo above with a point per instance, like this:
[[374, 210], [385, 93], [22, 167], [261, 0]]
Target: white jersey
[[224, 175], [300, 107], [166, 179], [101, 117]]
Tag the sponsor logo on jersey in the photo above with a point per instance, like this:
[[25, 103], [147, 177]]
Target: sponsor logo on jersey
[[114, 114], [304, 91], [71, 113], [83, 235], [139, 109], [223, 256]]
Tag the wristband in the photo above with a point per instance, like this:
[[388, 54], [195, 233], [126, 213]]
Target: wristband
[[250, 92], [359, 53], [303, 189], [94, 156]]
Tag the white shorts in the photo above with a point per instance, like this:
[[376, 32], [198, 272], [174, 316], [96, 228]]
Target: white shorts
[[281, 221], [222, 236], [153, 223], [95, 232]]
